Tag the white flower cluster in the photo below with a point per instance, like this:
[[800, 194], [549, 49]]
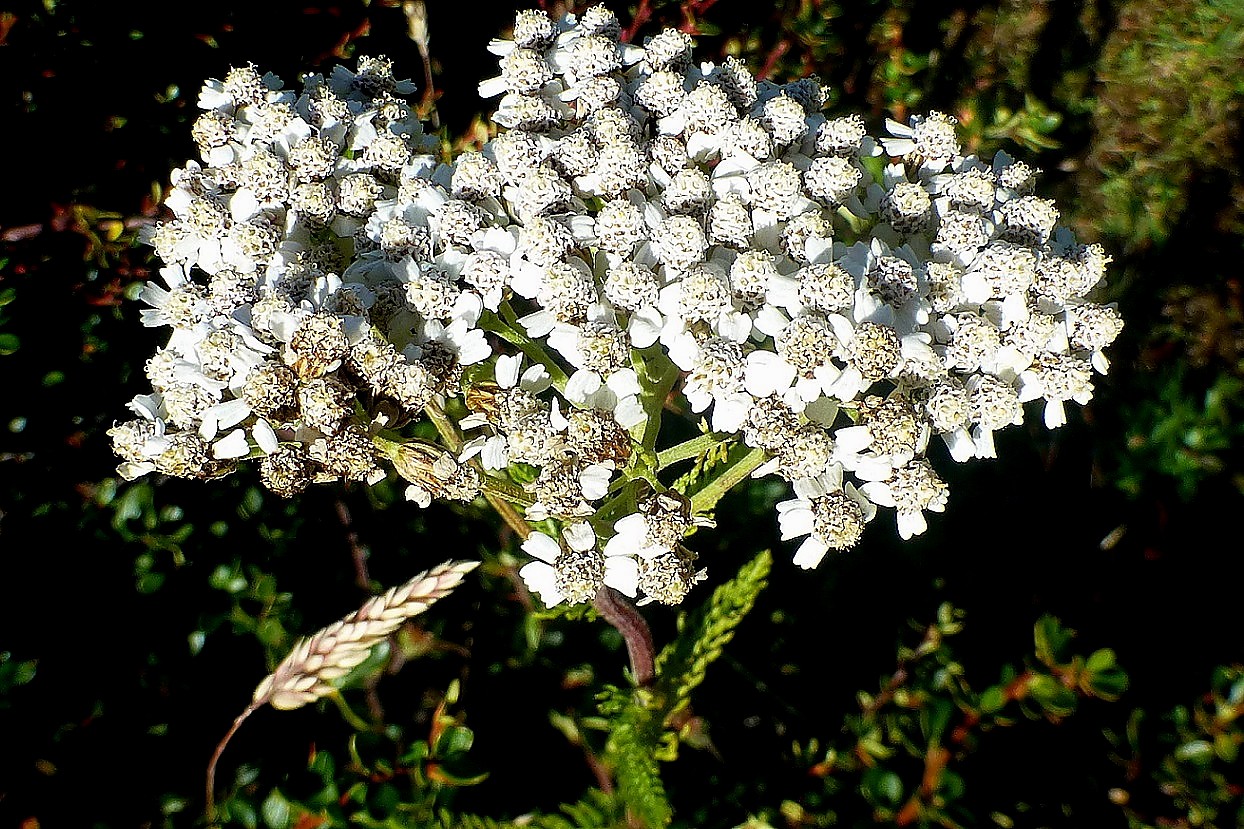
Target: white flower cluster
[[829, 299]]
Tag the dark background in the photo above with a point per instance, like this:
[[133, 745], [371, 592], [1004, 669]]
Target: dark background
[[102, 583]]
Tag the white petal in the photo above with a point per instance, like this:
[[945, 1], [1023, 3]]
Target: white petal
[[624, 382], [265, 436], [581, 386], [542, 580], [911, 523], [231, 413], [629, 412], [645, 326], [796, 520], [233, 445], [492, 87], [622, 574], [766, 373], [542, 547], [595, 480], [421, 497], [879, 493], [959, 442], [1055, 414], [580, 536], [535, 379], [810, 553], [730, 413]]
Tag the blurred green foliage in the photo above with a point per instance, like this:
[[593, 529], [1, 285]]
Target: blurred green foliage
[[1199, 768], [136, 618], [900, 755]]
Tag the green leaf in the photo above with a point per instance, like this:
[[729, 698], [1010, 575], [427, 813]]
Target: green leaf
[[1056, 699], [682, 664], [276, 810], [1227, 746], [934, 718], [993, 699], [882, 787], [632, 747], [639, 735], [1196, 752], [454, 740], [242, 812], [1051, 640], [1103, 677]]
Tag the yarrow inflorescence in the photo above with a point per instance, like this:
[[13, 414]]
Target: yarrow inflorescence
[[827, 301]]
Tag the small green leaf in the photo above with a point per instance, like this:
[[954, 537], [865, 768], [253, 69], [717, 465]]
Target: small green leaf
[[993, 699], [1100, 660], [276, 810], [934, 718], [1103, 677], [1056, 699], [227, 579], [952, 786], [454, 740], [1227, 746], [270, 632], [323, 765], [1051, 639], [149, 583], [453, 778], [243, 813], [882, 787], [384, 798], [1197, 752]]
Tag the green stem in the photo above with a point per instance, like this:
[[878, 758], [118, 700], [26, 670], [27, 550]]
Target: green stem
[[506, 327], [707, 497], [510, 515], [686, 450], [657, 375], [356, 722], [445, 427], [506, 489], [622, 503], [497, 493]]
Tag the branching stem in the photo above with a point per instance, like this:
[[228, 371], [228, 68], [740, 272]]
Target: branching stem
[[686, 450], [707, 497]]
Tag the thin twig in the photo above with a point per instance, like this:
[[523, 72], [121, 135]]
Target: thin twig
[[358, 552], [417, 21], [211, 766]]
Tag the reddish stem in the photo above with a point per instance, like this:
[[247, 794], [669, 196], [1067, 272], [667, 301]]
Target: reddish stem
[[619, 612], [642, 13]]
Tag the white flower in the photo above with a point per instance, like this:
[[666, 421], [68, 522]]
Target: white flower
[[494, 449], [832, 516], [911, 490], [575, 569], [828, 315]]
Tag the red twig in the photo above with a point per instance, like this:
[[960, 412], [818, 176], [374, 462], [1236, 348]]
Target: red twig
[[642, 13]]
